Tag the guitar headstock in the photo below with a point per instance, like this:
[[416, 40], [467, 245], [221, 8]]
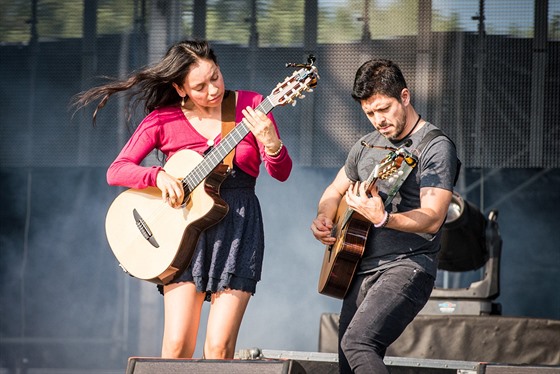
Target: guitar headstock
[[391, 167], [292, 88]]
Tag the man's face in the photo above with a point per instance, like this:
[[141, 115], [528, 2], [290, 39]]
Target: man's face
[[386, 114]]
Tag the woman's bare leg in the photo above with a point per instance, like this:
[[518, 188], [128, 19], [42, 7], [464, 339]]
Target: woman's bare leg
[[182, 310], [226, 313]]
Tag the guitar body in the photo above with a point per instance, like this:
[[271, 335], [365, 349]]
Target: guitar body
[[341, 259], [174, 232]]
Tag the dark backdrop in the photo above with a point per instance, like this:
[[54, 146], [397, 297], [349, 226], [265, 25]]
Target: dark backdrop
[[64, 301]]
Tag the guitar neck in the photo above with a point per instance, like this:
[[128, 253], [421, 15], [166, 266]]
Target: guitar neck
[[372, 179], [220, 151]]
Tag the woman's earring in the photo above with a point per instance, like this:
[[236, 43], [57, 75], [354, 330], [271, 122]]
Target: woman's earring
[[182, 101]]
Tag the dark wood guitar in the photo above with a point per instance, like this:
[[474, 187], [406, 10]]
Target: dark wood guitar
[[155, 242], [351, 229]]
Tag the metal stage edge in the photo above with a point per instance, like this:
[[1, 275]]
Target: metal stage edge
[[465, 367]]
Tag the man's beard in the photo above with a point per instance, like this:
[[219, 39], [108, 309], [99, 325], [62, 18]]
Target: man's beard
[[399, 129]]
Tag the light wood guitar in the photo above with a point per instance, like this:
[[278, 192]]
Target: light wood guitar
[[351, 229], [155, 242]]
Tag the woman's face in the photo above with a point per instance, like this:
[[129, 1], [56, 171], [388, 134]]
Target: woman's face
[[203, 85]]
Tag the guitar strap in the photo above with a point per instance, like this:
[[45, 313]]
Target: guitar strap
[[425, 140], [428, 138], [228, 122]]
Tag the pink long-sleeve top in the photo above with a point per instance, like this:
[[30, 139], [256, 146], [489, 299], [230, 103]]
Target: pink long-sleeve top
[[168, 130]]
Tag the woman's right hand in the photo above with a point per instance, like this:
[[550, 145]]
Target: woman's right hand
[[171, 189]]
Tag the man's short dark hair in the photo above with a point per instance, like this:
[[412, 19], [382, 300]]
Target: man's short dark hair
[[378, 76]]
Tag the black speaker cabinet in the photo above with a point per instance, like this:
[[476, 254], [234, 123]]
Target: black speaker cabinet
[[149, 365], [521, 369]]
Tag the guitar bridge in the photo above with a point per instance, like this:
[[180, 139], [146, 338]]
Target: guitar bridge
[[144, 229]]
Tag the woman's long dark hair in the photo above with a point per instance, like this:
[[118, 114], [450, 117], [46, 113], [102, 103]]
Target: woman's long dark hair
[[153, 84]]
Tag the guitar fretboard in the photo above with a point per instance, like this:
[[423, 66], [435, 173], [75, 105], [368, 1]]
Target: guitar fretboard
[[219, 152]]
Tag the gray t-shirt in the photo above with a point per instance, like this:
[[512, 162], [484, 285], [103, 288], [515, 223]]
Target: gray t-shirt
[[437, 167]]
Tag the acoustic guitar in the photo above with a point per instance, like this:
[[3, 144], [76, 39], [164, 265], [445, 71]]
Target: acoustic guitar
[[155, 242], [351, 229]]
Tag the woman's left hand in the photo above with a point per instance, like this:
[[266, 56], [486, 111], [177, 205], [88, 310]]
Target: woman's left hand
[[262, 128]]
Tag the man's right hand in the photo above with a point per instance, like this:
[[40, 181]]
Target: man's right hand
[[171, 189], [322, 230]]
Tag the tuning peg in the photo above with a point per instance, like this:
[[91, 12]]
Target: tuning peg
[[311, 59], [294, 103]]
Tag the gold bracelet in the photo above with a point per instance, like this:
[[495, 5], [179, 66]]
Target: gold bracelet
[[277, 151]]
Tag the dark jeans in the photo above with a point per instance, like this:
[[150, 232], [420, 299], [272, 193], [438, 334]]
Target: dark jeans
[[374, 314]]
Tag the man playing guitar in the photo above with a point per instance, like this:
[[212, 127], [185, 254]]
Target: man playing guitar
[[396, 271]]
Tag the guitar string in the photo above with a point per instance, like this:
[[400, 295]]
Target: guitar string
[[202, 170]]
